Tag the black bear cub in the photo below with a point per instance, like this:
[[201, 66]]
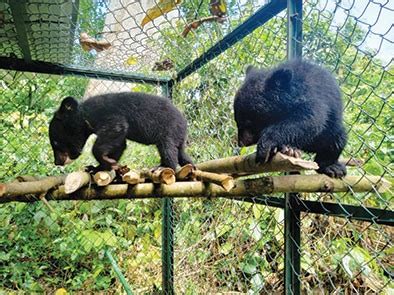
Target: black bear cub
[[295, 106], [140, 117]]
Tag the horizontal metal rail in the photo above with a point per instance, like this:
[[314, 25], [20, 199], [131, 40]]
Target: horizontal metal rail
[[259, 18], [17, 64], [375, 215], [380, 216]]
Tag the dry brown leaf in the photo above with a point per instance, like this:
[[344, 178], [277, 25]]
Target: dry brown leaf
[[161, 8], [88, 43]]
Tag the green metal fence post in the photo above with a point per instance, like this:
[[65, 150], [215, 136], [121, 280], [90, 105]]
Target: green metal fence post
[[167, 251], [292, 245], [292, 210]]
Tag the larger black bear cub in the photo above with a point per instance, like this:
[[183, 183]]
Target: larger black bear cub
[[140, 117], [296, 105]]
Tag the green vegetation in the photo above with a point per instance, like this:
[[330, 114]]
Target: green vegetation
[[220, 245]]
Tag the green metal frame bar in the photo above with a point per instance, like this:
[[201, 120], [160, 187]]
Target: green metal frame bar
[[292, 245], [167, 233], [350, 212], [260, 17], [292, 212], [374, 215], [118, 273], [18, 10], [17, 64]]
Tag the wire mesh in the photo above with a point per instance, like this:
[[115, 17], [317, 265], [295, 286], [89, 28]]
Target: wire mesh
[[220, 245]]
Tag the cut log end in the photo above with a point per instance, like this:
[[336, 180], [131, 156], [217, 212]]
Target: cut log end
[[75, 181], [133, 177], [160, 175], [228, 184], [103, 178], [167, 176], [184, 172]]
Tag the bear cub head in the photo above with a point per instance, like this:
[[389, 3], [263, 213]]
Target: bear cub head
[[260, 92], [67, 132]]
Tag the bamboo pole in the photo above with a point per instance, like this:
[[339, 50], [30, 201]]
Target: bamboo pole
[[242, 188], [247, 165]]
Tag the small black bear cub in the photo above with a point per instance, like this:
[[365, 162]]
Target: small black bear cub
[[296, 105], [140, 117]]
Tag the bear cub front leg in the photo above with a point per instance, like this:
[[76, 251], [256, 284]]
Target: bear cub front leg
[[109, 146]]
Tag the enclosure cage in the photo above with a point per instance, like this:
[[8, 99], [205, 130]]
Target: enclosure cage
[[194, 52]]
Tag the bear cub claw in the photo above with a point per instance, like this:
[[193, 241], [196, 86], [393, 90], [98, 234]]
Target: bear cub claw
[[265, 152], [290, 151]]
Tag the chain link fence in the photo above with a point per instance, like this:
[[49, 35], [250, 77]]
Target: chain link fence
[[220, 246]]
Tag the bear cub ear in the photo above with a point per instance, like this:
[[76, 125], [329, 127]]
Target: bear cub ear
[[280, 79], [68, 105], [250, 69]]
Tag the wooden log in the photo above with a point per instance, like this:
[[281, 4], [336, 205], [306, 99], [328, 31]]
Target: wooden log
[[159, 175], [226, 181], [75, 181], [30, 187], [133, 177], [247, 165], [184, 172], [242, 188], [103, 178]]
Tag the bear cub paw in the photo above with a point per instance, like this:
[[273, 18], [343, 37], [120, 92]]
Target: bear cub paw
[[336, 170]]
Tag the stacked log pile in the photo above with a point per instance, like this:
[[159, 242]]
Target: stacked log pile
[[217, 178]]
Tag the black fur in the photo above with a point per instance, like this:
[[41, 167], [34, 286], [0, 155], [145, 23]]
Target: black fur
[[297, 105], [140, 117]]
